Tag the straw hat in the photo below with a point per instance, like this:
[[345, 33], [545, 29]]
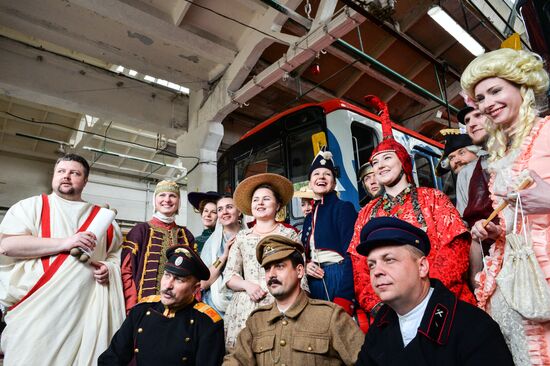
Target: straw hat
[[245, 190], [304, 192]]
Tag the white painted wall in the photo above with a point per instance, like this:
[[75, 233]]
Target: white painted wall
[[21, 178]]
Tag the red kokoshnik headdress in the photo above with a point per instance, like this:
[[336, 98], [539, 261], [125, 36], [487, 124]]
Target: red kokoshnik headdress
[[388, 142]]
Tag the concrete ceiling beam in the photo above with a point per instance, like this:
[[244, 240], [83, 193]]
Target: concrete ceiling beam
[[181, 7], [28, 73], [309, 45], [155, 27], [94, 36], [217, 104]]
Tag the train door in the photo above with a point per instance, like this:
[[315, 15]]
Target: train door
[[364, 139], [424, 168], [300, 153]]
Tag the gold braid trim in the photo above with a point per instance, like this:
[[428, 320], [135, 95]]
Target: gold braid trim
[[146, 259]]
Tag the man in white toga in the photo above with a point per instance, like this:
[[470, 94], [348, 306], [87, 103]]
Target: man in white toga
[[58, 310]]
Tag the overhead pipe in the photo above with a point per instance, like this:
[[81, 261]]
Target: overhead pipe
[[358, 54], [304, 22], [400, 36], [394, 74]]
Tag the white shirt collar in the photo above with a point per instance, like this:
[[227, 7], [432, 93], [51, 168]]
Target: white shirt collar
[[410, 322]]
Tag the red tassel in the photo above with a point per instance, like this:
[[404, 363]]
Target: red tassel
[[374, 101]]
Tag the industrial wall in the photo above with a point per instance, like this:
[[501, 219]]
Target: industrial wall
[[133, 199]]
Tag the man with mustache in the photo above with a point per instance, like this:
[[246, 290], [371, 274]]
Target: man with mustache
[[174, 329], [295, 330], [58, 310], [459, 151], [421, 322]]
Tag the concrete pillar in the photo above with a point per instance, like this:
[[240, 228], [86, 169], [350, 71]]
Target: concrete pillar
[[203, 142]]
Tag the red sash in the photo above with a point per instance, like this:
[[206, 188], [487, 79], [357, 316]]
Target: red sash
[[51, 269]]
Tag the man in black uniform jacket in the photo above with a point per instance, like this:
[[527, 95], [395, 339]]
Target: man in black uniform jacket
[[422, 322], [175, 330]]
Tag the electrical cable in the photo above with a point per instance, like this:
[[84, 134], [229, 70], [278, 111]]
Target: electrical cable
[[32, 120]]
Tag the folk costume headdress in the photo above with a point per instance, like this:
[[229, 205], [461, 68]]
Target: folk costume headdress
[[388, 142], [161, 187]]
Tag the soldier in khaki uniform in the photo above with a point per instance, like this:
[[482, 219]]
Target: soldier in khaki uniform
[[295, 330]]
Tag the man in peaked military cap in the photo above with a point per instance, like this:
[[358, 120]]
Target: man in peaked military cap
[[295, 330], [422, 322], [176, 329], [369, 183]]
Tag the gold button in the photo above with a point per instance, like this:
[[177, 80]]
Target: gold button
[[148, 312], [187, 339], [192, 321], [261, 348], [140, 330], [417, 241], [184, 359], [285, 322], [309, 348], [282, 343], [136, 350]]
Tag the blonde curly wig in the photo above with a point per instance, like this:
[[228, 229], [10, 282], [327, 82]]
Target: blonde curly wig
[[523, 69]]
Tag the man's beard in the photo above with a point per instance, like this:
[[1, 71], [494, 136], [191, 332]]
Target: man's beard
[[70, 191]]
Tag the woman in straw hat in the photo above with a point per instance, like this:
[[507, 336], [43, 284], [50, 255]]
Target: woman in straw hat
[[504, 84], [143, 250], [260, 196], [306, 196], [423, 207]]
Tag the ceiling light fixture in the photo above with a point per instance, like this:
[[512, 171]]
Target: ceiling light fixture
[[455, 30]]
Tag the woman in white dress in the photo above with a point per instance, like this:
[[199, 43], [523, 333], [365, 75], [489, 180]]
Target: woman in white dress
[[260, 196]]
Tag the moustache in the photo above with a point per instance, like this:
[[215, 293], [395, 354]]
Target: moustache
[[273, 281], [167, 292]]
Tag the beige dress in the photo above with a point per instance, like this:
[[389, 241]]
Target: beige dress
[[242, 262]]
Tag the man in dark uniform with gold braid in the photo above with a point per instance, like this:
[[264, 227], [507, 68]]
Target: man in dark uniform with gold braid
[[174, 329]]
